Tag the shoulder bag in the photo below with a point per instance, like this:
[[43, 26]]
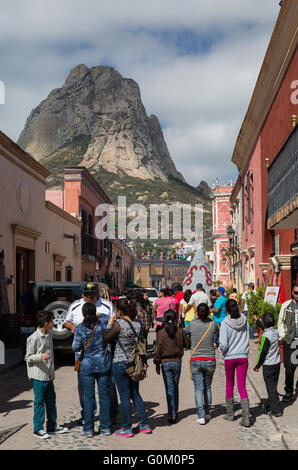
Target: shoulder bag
[[77, 363], [203, 337], [136, 366]]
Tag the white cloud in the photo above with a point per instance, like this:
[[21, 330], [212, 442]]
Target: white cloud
[[200, 97]]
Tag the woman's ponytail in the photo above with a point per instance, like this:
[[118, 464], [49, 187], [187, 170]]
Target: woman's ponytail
[[170, 321]]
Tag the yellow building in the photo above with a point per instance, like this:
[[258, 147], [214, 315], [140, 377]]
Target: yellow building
[[159, 273]]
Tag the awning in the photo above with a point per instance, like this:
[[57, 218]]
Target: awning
[[130, 284]]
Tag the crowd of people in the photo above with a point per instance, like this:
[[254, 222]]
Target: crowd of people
[[105, 336]]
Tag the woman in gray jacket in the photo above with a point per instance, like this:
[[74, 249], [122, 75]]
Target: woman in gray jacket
[[202, 362], [234, 345]]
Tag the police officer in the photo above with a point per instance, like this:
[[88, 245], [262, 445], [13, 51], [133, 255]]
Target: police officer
[[90, 294]]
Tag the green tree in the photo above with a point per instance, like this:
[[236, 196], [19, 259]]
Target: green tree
[[255, 302], [258, 307]]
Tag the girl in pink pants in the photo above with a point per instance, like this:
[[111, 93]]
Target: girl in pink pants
[[234, 345], [240, 366]]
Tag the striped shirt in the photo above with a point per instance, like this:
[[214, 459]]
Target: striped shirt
[[38, 344]]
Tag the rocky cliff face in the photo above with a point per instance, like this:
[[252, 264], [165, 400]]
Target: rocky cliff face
[[103, 114]]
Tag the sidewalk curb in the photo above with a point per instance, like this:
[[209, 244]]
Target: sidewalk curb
[[11, 366], [285, 440]]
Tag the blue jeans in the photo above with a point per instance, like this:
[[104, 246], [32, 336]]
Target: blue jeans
[[103, 386], [128, 390], [44, 399], [203, 372], [251, 328], [114, 400], [81, 397], [171, 374]]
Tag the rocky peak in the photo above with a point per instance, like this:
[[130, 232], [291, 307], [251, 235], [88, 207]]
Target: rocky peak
[[99, 105]]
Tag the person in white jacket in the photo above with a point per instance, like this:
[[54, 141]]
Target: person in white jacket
[[234, 345]]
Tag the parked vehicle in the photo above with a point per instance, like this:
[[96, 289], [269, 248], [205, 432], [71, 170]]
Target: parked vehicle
[[57, 297], [152, 294]]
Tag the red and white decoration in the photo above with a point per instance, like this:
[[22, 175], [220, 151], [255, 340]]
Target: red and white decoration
[[221, 221]]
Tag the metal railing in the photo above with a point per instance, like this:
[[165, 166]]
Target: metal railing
[[283, 175]]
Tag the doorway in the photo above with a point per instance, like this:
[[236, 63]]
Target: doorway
[[25, 271]]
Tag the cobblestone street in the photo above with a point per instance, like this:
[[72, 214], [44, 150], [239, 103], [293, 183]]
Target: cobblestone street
[[16, 397]]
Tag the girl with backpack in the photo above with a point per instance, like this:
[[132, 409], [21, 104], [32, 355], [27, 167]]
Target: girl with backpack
[[123, 328], [171, 341]]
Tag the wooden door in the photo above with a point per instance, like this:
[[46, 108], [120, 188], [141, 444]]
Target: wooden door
[[24, 273]]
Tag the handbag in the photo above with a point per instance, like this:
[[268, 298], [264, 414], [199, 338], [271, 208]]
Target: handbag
[[136, 366], [77, 362], [205, 334]]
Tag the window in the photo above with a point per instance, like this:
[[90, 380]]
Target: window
[[252, 196], [248, 198], [243, 206], [90, 225], [84, 222], [68, 275]]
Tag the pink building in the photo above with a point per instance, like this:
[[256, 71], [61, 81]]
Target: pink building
[[105, 260], [265, 155], [221, 221], [80, 197]]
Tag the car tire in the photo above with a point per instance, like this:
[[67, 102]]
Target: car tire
[[59, 309]]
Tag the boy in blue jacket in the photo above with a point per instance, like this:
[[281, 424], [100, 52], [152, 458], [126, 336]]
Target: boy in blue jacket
[[269, 358]]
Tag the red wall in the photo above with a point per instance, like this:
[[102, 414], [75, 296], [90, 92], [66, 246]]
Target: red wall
[[274, 133], [79, 196]]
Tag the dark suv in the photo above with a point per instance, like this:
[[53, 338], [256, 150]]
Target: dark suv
[[57, 297]]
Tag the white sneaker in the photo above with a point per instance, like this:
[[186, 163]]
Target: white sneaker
[[201, 421], [59, 430], [41, 434]]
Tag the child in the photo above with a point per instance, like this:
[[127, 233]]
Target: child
[[270, 359], [40, 368]]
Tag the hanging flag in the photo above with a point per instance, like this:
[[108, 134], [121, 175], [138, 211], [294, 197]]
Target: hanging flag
[[282, 295]]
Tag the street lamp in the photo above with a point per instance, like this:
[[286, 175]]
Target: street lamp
[[231, 233]]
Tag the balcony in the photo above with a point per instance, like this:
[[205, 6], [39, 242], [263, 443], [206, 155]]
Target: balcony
[[283, 186], [89, 245]]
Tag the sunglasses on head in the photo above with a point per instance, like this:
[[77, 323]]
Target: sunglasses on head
[[295, 292]]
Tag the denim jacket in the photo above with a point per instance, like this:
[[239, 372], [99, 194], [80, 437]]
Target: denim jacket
[[96, 358]]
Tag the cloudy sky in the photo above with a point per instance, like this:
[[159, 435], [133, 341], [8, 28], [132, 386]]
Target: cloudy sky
[[196, 63]]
